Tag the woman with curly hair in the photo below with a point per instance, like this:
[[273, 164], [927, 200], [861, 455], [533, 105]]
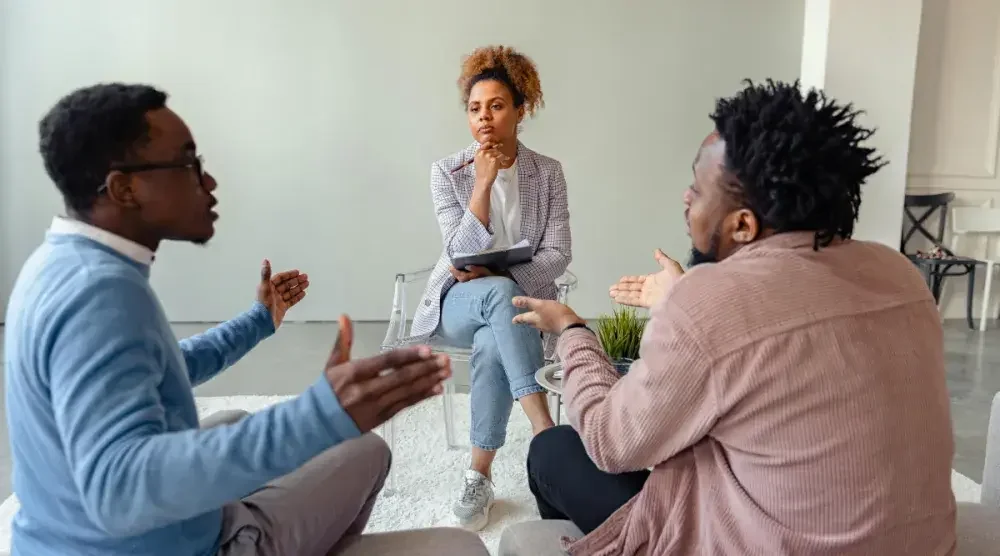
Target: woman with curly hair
[[495, 193]]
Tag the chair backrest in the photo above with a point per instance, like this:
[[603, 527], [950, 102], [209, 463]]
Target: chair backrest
[[931, 203]]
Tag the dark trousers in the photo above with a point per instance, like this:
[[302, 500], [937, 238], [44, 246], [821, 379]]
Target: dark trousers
[[567, 484]]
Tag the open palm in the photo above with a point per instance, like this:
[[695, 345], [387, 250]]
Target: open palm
[[280, 292], [647, 290]]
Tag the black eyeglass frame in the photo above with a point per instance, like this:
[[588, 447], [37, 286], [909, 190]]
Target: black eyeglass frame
[[197, 164]]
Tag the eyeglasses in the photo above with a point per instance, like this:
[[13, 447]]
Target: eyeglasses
[[197, 164]]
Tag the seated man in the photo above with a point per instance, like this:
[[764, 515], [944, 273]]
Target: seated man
[[790, 397], [107, 451]]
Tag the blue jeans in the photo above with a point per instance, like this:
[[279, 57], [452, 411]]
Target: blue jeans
[[505, 356]]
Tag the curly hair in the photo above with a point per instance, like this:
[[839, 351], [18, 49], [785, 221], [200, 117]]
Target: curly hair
[[90, 129], [798, 158], [506, 65]]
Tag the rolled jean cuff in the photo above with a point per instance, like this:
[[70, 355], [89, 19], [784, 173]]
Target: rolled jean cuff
[[487, 446], [527, 390]]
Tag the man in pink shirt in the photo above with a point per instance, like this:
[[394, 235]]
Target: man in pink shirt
[[790, 397]]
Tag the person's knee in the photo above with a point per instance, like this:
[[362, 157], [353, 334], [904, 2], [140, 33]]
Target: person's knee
[[502, 289], [552, 446], [372, 448]]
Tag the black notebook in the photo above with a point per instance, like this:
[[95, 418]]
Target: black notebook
[[496, 260]]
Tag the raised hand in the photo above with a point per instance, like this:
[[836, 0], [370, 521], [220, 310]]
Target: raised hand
[[373, 389], [646, 291], [280, 292], [545, 315], [489, 160]]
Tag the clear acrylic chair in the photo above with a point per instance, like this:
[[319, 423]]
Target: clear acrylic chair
[[411, 285]]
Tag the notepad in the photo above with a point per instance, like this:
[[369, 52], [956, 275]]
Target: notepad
[[496, 260]]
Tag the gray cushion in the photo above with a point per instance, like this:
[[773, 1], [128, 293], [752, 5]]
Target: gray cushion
[[537, 538], [978, 530]]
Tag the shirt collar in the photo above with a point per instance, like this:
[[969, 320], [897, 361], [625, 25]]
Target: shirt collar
[[139, 253]]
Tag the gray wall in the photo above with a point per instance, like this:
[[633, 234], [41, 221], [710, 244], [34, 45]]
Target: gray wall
[[320, 120]]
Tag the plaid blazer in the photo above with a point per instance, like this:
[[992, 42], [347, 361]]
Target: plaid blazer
[[544, 224]]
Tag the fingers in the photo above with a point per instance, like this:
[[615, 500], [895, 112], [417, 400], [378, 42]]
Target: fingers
[[461, 275], [477, 271], [530, 318], [290, 285], [664, 260], [341, 352], [293, 300], [523, 302], [628, 284], [265, 271], [283, 277], [408, 379], [414, 382], [372, 366]]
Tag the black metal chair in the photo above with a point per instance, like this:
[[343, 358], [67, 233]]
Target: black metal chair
[[940, 262]]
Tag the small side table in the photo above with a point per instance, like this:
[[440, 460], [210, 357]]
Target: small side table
[[550, 378]]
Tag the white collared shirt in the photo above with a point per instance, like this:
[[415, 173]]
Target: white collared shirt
[[139, 253], [505, 209]]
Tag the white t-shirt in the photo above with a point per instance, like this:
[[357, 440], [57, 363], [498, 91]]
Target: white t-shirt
[[505, 209]]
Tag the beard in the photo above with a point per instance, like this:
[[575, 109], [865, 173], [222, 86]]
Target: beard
[[698, 257]]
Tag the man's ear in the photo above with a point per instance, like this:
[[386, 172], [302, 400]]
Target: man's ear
[[119, 189], [747, 226], [520, 114]]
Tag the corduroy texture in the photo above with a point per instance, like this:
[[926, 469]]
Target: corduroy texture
[[789, 401]]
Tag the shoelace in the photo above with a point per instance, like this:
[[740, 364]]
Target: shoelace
[[474, 489]]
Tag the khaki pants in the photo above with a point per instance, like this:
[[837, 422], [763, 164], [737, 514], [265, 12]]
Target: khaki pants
[[322, 508]]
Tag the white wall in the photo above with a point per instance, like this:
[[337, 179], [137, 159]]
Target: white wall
[[868, 58], [955, 142], [320, 120]]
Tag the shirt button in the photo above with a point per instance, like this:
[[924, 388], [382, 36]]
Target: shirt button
[[427, 302]]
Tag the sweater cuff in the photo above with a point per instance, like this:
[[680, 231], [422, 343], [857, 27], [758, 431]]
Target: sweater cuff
[[261, 316], [337, 420]]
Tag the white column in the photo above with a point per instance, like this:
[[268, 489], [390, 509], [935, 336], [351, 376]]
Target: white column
[[865, 53]]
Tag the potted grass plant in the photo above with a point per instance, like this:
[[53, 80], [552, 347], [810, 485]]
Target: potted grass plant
[[620, 334]]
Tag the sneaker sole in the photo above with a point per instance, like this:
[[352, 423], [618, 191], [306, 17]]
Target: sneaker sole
[[479, 524]]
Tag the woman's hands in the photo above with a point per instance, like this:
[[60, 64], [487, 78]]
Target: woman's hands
[[471, 274], [489, 160]]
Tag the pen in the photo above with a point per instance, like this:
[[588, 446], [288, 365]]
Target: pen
[[464, 164]]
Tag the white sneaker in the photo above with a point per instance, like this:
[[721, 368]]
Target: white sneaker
[[473, 506]]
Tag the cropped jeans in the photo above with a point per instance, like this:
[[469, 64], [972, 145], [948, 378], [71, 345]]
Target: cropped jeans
[[505, 356]]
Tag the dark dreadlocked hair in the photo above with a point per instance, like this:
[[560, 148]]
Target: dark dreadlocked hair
[[798, 158]]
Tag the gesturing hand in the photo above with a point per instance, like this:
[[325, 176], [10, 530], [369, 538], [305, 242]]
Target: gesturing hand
[[545, 315], [373, 389], [280, 292], [471, 274], [646, 291], [489, 160]]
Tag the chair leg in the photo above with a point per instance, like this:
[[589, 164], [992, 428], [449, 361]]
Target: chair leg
[[558, 407], [968, 297], [389, 435], [448, 401], [984, 314]]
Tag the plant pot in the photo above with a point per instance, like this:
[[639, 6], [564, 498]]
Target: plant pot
[[622, 365]]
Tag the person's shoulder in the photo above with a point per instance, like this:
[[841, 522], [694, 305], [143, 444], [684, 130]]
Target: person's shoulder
[[545, 163], [75, 274], [454, 160]]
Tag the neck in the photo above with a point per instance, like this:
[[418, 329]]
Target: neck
[[509, 148], [116, 225]]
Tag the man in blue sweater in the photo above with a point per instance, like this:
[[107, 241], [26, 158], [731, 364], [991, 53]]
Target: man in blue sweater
[[109, 456]]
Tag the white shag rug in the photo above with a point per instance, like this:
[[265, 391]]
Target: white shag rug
[[428, 475]]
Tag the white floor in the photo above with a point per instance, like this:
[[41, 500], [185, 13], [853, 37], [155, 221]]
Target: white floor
[[428, 475]]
